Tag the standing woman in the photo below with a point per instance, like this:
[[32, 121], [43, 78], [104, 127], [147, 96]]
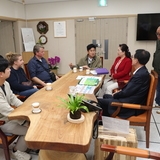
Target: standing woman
[[120, 70], [18, 79]]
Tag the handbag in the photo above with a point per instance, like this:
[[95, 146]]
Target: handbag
[[53, 76], [28, 83]]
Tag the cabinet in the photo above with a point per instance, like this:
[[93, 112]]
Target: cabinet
[[28, 55]]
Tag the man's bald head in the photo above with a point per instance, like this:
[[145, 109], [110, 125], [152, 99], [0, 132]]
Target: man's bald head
[[158, 33]]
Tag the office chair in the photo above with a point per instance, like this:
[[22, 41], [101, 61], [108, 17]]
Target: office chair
[[142, 119]]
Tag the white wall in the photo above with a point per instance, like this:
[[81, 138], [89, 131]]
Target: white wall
[[11, 10], [69, 11], [90, 8], [62, 47]]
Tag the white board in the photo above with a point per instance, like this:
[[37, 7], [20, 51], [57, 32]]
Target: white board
[[28, 39]]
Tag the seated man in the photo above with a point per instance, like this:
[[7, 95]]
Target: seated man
[[135, 91], [38, 67], [90, 60], [18, 127]]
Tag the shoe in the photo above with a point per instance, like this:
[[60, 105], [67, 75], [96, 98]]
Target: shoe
[[100, 123], [158, 111], [157, 105], [18, 155], [31, 151]]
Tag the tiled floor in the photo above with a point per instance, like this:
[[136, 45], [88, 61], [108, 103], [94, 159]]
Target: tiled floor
[[154, 138]]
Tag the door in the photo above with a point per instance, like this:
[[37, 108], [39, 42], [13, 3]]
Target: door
[[7, 42], [108, 33]]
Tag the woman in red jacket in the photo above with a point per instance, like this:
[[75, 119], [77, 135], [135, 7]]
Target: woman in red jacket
[[120, 70]]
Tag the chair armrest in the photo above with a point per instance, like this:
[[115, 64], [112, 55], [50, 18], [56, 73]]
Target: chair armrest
[[128, 105], [2, 122], [136, 152], [22, 98], [131, 106], [39, 86]]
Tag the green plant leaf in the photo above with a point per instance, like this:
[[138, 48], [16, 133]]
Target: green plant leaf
[[74, 103]]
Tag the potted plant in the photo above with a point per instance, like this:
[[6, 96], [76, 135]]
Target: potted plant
[[75, 104], [53, 63]]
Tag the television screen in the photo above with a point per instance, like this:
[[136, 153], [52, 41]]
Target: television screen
[[147, 25]]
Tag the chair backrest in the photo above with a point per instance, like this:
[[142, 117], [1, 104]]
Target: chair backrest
[[29, 77], [152, 88], [101, 61], [27, 71], [132, 70]]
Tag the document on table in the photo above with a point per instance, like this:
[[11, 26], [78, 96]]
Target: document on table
[[85, 89], [117, 125], [85, 77], [89, 80]]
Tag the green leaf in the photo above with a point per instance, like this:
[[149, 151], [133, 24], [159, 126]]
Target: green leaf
[[74, 103]]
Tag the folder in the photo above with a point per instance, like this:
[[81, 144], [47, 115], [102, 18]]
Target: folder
[[101, 71]]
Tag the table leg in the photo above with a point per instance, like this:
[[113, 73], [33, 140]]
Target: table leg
[[57, 155]]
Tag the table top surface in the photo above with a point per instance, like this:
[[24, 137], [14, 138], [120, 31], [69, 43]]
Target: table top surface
[[50, 128]]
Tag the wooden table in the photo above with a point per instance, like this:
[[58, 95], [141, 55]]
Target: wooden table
[[50, 130]]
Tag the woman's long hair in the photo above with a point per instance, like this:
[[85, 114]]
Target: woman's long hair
[[124, 48]]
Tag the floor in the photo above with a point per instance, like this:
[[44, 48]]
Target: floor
[[154, 138]]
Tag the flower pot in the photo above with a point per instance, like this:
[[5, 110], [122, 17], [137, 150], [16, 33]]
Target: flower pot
[[55, 71], [71, 120], [76, 115]]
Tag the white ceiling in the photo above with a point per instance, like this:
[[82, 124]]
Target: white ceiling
[[38, 1]]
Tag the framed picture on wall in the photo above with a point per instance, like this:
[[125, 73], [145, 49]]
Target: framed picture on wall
[[60, 29]]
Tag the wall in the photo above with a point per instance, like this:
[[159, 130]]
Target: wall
[[89, 8], [11, 10], [77, 9], [133, 44], [7, 37], [62, 47]]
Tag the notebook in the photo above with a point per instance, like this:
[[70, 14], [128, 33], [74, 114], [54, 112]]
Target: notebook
[[89, 81], [101, 71]]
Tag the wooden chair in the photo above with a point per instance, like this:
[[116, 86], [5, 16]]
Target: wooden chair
[[124, 82], [5, 141], [29, 77], [136, 152], [142, 119], [22, 98], [27, 71], [101, 61]]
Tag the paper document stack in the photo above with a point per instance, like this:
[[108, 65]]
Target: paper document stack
[[89, 81]]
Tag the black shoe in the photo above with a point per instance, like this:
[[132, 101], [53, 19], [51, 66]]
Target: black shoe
[[100, 122], [31, 151]]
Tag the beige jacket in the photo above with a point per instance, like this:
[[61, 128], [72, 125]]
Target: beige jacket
[[6, 101], [96, 63]]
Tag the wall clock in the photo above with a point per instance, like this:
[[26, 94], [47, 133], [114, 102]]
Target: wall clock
[[43, 39]]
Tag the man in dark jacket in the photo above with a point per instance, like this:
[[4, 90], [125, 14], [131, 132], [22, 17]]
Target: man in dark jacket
[[156, 66], [135, 91]]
